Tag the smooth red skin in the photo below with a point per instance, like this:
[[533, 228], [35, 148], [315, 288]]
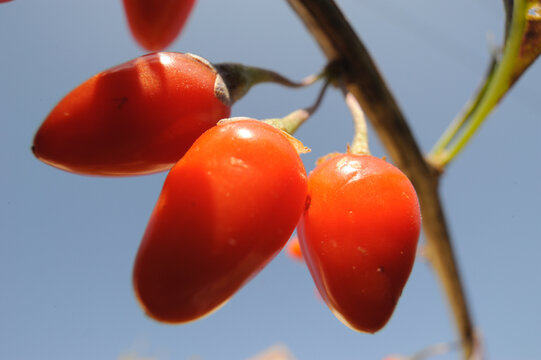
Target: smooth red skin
[[226, 209], [358, 236], [137, 118], [156, 23]]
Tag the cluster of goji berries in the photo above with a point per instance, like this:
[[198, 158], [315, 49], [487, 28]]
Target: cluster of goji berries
[[236, 189]]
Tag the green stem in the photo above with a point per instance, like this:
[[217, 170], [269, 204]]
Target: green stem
[[359, 144], [240, 78], [464, 115], [461, 130], [291, 122]]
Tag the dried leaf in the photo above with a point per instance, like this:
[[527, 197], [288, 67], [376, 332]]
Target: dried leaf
[[530, 47]]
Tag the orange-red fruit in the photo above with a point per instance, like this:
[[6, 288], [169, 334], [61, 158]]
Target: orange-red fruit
[[226, 209], [136, 118], [358, 235], [156, 23], [293, 249]]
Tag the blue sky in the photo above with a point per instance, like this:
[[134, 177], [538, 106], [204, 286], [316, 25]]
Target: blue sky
[[67, 242]]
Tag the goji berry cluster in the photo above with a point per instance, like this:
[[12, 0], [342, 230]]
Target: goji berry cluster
[[236, 189]]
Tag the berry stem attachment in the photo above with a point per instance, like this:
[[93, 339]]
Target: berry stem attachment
[[360, 139], [240, 78], [291, 122]]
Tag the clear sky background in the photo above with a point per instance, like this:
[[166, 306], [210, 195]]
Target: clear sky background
[[67, 242]]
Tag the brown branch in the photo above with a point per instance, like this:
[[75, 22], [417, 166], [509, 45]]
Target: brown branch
[[339, 42]]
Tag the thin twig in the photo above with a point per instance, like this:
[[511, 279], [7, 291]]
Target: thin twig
[[498, 82], [339, 41], [292, 121], [239, 78], [359, 145]]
